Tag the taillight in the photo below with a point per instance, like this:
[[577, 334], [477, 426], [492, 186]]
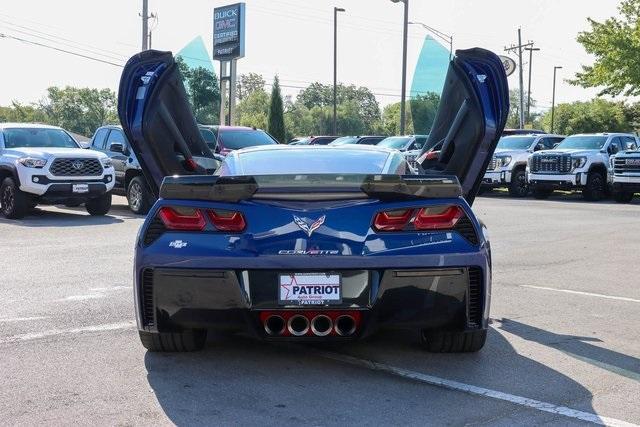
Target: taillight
[[186, 219], [227, 220], [392, 220], [438, 218], [428, 218]]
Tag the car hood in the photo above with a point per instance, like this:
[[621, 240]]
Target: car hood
[[50, 152], [573, 152], [512, 153]]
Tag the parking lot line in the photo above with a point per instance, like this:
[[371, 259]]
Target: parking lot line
[[56, 332], [589, 294], [475, 390]]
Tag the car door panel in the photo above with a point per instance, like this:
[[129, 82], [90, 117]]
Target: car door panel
[[158, 121], [470, 118]]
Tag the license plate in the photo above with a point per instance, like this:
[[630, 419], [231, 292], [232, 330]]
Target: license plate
[[80, 188], [309, 289]]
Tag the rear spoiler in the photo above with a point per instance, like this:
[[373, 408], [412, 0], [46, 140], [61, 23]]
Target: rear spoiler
[[309, 187]]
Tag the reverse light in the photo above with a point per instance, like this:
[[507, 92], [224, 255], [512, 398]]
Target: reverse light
[[392, 220], [227, 220], [32, 162], [184, 219], [438, 218]]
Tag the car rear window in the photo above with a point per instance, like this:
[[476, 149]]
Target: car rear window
[[301, 161], [38, 137], [237, 139]]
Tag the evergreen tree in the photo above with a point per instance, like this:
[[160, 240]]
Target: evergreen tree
[[275, 120]]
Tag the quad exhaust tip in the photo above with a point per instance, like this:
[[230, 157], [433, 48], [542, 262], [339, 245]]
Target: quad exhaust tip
[[298, 325], [321, 325], [274, 325], [345, 325]]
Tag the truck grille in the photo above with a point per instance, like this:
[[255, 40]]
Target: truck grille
[[626, 165], [76, 167], [492, 164], [551, 163], [475, 298]]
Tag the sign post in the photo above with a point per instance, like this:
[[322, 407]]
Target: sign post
[[228, 47]]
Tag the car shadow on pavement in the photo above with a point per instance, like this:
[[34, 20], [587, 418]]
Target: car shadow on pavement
[[71, 217], [239, 380], [577, 347], [559, 197]]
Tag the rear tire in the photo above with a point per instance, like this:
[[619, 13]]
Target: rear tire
[[596, 188], [541, 193], [623, 197], [181, 342], [99, 206], [453, 342], [519, 186], [14, 204], [139, 196]]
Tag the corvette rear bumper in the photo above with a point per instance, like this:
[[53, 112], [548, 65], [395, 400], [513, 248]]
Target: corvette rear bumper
[[174, 299]]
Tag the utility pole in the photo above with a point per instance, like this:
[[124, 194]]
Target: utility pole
[[553, 97], [145, 25], [518, 49], [403, 95], [530, 49], [335, 68]]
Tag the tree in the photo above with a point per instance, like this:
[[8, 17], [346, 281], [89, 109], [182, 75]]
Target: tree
[[80, 110], [614, 43], [321, 95], [423, 112], [597, 115], [249, 83], [203, 90], [391, 120], [253, 110], [22, 113], [276, 113]]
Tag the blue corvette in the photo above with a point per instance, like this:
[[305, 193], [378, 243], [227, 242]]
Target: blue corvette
[[312, 243]]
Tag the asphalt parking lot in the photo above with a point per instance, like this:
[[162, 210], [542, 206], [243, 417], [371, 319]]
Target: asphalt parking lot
[[563, 348]]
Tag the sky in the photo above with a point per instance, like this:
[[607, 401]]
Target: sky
[[291, 38]]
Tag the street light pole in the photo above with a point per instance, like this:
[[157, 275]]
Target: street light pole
[[553, 97], [404, 64], [335, 68], [145, 19], [530, 49]]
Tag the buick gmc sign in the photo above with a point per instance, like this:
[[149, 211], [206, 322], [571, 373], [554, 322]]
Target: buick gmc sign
[[228, 32]]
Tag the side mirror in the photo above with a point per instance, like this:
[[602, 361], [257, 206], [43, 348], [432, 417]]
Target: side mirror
[[539, 146], [556, 144], [612, 149], [116, 147]]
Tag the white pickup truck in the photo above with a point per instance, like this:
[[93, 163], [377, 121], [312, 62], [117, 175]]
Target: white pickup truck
[[625, 168], [42, 164], [580, 162], [509, 163]]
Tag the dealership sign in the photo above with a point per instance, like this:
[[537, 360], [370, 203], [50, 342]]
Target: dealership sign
[[508, 64], [228, 32]]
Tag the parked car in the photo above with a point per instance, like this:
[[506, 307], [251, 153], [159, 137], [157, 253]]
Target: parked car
[[229, 138], [580, 162], [508, 166], [313, 243], [410, 146], [130, 180], [313, 140], [42, 164], [626, 174], [508, 132], [365, 140]]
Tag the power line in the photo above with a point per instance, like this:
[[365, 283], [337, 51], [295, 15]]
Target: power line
[[9, 36]]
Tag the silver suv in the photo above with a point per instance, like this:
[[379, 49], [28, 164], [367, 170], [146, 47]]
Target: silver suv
[[580, 162], [509, 163]]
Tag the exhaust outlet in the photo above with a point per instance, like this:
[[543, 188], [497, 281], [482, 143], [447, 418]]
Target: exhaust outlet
[[321, 325], [274, 325], [298, 325], [345, 325]]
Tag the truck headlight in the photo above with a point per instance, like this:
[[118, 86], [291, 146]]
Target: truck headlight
[[578, 162], [503, 161], [33, 162], [106, 163]]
